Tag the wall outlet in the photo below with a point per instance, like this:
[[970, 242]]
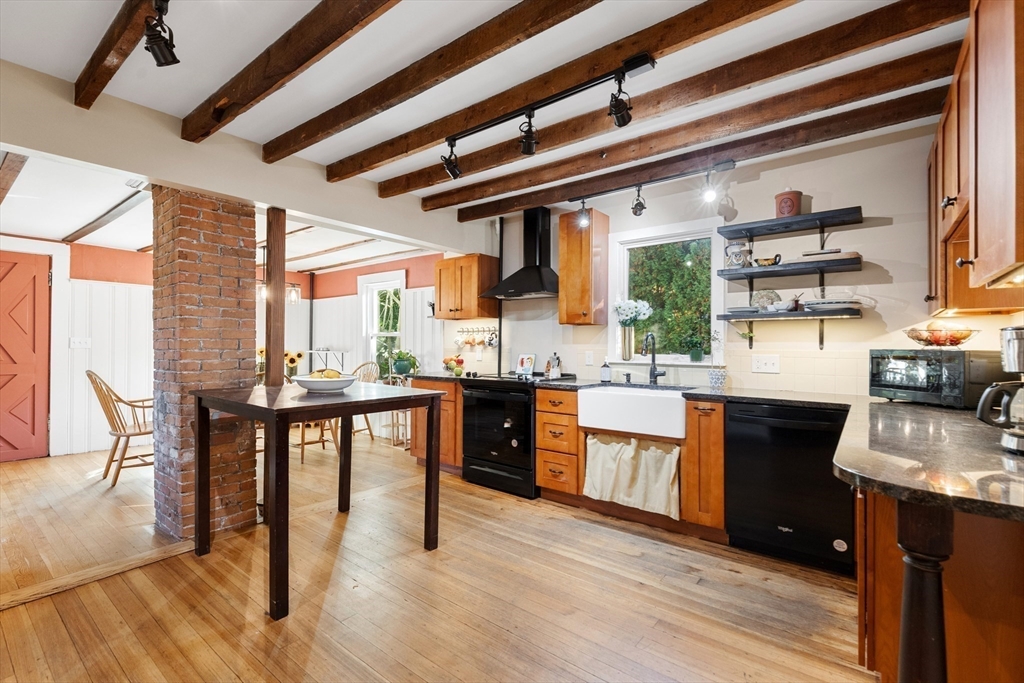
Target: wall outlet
[[80, 343], [765, 363], [589, 357]]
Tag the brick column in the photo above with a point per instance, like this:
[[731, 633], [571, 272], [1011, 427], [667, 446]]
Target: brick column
[[204, 336]]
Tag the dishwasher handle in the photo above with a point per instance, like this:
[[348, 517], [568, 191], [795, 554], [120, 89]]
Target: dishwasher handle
[[807, 425], [497, 395]]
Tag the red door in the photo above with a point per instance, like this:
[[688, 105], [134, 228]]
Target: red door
[[24, 355]]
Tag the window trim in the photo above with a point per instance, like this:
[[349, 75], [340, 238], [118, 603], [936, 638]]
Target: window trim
[[368, 286], [619, 244]]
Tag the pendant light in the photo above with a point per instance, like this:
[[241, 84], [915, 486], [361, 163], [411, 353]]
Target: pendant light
[[261, 286]]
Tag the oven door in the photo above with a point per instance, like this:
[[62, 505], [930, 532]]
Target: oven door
[[497, 426]]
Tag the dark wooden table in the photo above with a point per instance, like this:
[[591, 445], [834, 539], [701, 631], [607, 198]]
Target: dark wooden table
[[278, 408]]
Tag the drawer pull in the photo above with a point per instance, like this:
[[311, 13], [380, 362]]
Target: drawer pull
[[704, 409], [554, 433], [556, 472], [554, 402]]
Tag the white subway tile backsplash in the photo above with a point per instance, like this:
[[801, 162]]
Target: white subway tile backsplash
[[846, 367]]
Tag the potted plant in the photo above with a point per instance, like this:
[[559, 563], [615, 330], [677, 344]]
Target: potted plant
[[696, 346], [404, 363], [717, 374], [629, 313]]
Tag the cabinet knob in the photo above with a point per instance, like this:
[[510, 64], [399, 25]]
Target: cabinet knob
[[961, 262], [584, 314], [929, 297], [947, 202]]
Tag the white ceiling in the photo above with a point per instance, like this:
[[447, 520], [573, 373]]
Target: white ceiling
[[216, 38]]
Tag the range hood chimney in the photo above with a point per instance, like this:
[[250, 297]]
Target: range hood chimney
[[535, 279]]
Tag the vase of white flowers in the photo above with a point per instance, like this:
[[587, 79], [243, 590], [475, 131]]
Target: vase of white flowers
[[629, 313]]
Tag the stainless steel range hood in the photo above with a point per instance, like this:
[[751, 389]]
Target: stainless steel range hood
[[535, 279]]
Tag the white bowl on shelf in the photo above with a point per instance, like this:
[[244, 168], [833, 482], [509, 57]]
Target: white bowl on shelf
[[320, 385]]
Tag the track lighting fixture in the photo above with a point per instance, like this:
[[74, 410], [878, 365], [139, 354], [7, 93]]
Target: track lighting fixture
[[619, 108], [707, 191], [638, 204], [528, 140], [160, 37], [451, 162], [582, 215]]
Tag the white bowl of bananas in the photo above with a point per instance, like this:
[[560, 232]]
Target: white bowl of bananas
[[326, 381]]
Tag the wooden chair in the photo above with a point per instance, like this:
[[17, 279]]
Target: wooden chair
[[367, 372], [400, 419], [120, 428]]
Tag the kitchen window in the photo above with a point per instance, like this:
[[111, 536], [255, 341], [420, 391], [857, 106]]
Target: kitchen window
[[669, 267], [381, 294]]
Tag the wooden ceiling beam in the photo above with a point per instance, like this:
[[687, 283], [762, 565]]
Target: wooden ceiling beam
[[332, 250], [329, 24], [870, 30], [889, 113], [922, 67], [296, 231], [123, 207], [516, 24], [10, 167], [355, 262], [122, 37], [706, 20]]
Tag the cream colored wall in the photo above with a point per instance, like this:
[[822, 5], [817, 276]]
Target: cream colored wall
[[39, 118], [886, 176]]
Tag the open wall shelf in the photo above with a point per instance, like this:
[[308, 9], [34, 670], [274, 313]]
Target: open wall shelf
[[792, 224], [838, 313], [843, 265]]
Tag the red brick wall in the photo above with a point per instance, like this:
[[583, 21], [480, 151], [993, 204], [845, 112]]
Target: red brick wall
[[204, 316]]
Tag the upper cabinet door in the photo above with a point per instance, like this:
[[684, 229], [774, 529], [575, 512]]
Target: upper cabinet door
[[446, 287], [949, 168], [997, 147], [583, 270], [936, 298], [458, 283]]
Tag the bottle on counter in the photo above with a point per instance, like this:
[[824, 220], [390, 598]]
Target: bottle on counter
[[606, 371]]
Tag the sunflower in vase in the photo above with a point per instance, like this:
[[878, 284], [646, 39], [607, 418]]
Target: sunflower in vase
[[291, 362]]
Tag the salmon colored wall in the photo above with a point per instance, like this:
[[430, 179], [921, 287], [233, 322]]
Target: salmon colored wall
[[111, 265], [291, 277], [419, 272]]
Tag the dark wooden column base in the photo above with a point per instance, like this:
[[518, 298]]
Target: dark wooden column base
[[925, 535]]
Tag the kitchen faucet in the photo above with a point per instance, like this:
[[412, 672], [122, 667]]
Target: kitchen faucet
[[655, 372]]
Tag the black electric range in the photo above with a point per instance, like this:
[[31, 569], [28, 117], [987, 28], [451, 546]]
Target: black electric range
[[498, 431]]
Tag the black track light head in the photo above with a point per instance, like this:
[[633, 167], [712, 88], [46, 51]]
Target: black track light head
[[638, 204], [160, 37], [451, 162], [619, 108], [528, 140], [583, 215]]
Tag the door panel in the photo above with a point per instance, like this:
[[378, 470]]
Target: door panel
[[24, 355]]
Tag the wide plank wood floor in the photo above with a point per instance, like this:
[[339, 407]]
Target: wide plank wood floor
[[517, 591]]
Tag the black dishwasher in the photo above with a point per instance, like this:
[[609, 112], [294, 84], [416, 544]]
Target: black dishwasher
[[781, 497]]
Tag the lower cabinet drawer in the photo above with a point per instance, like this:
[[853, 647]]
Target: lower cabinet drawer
[[556, 471], [557, 432]]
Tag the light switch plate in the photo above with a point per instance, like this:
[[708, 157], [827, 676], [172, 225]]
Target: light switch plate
[[479, 353], [80, 343], [767, 363], [589, 356]]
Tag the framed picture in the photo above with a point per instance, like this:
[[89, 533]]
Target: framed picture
[[526, 363]]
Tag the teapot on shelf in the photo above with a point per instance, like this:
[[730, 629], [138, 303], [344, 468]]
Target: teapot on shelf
[[737, 254]]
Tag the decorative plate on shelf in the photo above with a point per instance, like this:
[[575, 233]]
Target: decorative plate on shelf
[[763, 297]]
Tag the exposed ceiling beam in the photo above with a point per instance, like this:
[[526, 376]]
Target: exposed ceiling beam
[[146, 250], [382, 257], [329, 24], [870, 30], [874, 81], [296, 231], [10, 167], [332, 250], [126, 205], [516, 24], [706, 20], [121, 38], [889, 113]]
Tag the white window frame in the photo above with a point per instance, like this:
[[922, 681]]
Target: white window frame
[[369, 286], [619, 244]]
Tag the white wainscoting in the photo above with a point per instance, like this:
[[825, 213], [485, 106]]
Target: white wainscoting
[[421, 332], [117, 319], [296, 329]]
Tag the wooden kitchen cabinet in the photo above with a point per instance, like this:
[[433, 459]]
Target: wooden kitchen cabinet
[[982, 593], [583, 270], [959, 295], [560, 464], [451, 422], [704, 464], [458, 284], [996, 32]]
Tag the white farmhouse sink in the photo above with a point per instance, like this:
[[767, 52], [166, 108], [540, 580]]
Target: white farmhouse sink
[[650, 412]]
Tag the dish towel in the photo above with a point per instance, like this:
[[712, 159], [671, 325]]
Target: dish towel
[[637, 473]]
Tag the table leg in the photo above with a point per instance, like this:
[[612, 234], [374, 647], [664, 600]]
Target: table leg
[[275, 507], [344, 463], [925, 535], [433, 473], [202, 434]]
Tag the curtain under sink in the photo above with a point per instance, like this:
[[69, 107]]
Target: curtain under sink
[[637, 473]]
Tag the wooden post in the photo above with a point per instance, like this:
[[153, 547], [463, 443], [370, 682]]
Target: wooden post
[[274, 341], [925, 535]]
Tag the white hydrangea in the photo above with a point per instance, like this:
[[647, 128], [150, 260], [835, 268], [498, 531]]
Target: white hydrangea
[[629, 312]]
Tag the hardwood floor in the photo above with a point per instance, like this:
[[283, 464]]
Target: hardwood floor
[[518, 590]]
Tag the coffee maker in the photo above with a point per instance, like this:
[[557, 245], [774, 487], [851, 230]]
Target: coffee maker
[[1003, 393]]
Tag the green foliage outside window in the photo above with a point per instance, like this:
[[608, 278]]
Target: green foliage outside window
[[389, 303], [675, 279]]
